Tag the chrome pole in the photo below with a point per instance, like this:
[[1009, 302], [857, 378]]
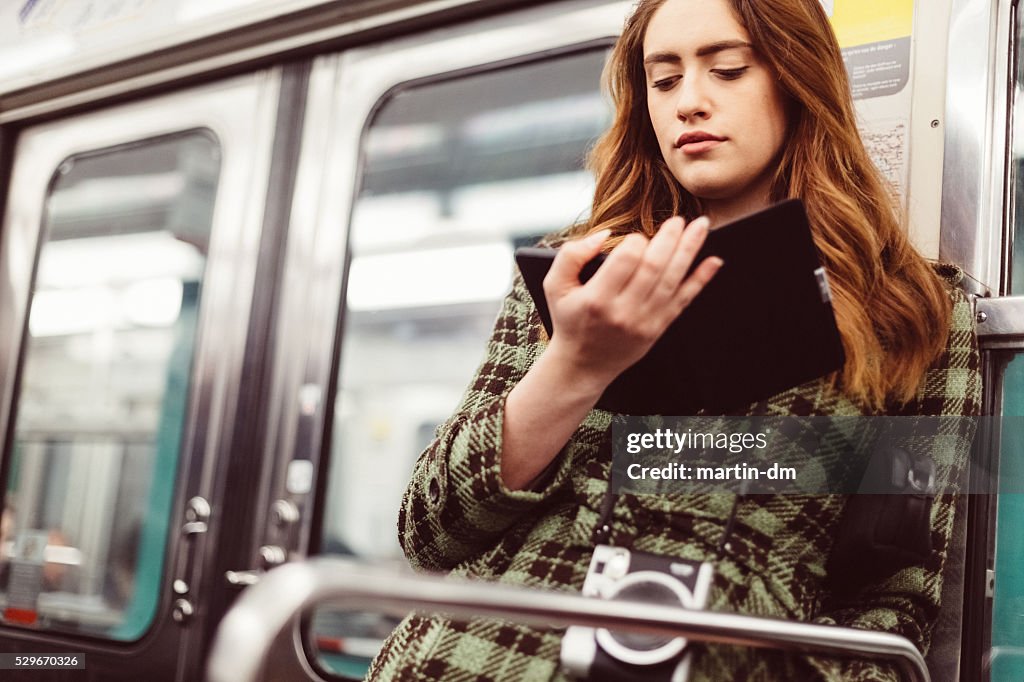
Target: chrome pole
[[265, 609]]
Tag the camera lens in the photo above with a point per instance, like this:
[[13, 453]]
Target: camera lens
[[650, 593]]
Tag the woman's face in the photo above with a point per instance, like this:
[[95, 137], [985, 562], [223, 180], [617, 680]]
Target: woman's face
[[717, 110]]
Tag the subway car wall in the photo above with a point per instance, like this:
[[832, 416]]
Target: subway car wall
[[251, 252]]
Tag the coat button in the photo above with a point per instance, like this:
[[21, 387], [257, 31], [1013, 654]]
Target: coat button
[[433, 490]]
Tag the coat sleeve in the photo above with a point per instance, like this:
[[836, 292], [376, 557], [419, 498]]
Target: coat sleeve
[[907, 602], [456, 505]]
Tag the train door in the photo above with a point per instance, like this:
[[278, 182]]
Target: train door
[[129, 256], [425, 161]]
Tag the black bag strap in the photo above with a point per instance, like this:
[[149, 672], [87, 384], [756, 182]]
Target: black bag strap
[[882, 533]]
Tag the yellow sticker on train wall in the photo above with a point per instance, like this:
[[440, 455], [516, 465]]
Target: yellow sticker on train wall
[[875, 39], [861, 22]]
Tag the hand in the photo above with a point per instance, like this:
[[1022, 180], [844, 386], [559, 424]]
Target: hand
[[606, 325]]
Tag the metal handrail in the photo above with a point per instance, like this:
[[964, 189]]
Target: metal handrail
[[265, 609]]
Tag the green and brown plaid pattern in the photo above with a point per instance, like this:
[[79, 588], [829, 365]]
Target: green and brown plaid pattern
[[458, 517]]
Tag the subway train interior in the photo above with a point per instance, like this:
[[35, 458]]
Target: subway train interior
[[251, 251]]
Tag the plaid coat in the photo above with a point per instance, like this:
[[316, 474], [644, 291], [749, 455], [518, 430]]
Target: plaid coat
[[458, 517]]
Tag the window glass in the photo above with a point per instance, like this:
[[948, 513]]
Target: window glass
[[106, 363], [1008, 602], [456, 174]]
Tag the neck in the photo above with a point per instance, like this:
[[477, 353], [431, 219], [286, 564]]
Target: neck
[[724, 211]]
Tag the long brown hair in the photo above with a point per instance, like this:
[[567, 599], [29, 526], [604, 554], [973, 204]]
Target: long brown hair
[[891, 308]]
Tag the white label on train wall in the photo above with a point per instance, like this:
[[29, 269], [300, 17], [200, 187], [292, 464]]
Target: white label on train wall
[[876, 38], [887, 143]]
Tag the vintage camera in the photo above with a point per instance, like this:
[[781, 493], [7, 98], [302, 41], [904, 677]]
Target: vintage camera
[[600, 655]]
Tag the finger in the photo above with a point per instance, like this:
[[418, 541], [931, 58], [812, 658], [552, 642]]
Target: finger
[[620, 265], [696, 282], [659, 253], [693, 239], [675, 270], [689, 245], [570, 259]]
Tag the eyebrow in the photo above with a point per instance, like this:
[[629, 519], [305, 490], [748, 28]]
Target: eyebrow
[[703, 51], [721, 45]]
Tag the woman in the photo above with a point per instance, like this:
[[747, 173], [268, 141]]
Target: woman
[[722, 108]]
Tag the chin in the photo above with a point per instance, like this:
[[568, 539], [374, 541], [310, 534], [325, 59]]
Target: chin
[[708, 190], [713, 186], [705, 183]]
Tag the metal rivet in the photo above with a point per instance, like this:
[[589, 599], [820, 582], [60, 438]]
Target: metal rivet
[[180, 586], [935, 123], [284, 513], [982, 316], [197, 509], [272, 555], [183, 611]]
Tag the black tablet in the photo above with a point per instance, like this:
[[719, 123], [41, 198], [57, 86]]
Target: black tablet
[[762, 325]]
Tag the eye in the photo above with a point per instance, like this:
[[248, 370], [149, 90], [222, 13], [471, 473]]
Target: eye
[[730, 74], [665, 83]]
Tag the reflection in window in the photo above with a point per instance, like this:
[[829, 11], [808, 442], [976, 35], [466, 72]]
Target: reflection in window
[[456, 174], [105, 372]]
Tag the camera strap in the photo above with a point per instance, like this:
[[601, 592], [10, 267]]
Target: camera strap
[[603, 532], [723, 542]]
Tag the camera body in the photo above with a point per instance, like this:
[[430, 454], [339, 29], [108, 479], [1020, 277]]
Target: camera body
[[617, 573]]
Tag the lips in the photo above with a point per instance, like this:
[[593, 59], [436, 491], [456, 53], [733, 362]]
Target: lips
[[696, 137]]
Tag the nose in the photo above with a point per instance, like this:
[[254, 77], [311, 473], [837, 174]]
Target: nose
[[692, 102]]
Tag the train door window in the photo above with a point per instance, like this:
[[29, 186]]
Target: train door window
[[1007, 635], [104, 378], [1007, 656], [455, 174]]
